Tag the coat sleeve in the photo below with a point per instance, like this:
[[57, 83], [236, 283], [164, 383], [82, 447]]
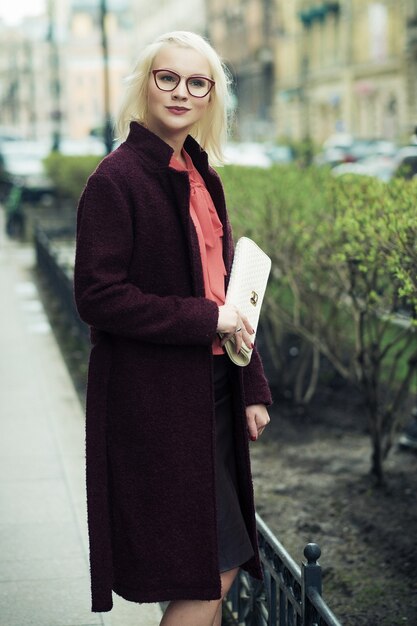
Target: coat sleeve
[[104, 296], [255, 384]]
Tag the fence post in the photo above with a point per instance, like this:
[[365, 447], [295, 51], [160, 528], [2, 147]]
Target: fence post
[[311, 580]]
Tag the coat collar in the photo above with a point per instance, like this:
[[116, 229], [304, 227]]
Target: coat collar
[[157, 153]]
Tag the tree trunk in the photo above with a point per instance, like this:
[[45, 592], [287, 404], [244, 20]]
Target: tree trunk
[[314, 378], [377, 459], [304, 364]]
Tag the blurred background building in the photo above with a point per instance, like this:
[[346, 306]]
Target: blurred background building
[[302, 68], [24, 76], [346, 66], [245, 33]]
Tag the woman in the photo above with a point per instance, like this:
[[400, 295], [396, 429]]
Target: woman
[[170, 501]]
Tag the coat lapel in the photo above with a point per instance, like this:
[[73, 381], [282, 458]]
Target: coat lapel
[[181, 187]]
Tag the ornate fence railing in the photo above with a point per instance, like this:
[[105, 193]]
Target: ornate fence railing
[[288, 596], [55, 250]]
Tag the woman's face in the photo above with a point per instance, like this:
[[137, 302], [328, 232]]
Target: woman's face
[[171, 114]]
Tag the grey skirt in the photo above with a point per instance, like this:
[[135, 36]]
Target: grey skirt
[[235, 547]]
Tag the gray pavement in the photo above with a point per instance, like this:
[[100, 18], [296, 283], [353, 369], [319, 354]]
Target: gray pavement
[[44, 578]]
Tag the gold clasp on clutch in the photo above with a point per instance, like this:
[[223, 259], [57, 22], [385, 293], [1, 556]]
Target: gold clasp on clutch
[[254, 298]]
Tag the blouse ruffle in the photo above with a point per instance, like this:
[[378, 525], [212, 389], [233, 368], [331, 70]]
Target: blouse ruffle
[[209, 232]]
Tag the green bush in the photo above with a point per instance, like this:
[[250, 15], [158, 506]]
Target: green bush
[[69, 173], [344, 258]]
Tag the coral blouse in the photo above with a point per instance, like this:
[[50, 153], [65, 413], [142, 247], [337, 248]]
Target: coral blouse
[[209, 232]]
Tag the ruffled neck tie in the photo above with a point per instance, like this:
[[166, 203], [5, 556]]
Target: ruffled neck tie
[[209, 232]]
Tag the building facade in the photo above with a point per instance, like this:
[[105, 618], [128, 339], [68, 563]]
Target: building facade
[[348, 70], [92, 78], [24, 80], [310, 68], [411, 63], [244, 34]]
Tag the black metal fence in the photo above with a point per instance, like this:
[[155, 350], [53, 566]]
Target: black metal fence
[[288, 596], [55, 258]]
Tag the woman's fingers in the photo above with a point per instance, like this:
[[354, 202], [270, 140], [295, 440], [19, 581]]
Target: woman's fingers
[[262, 420], [244, 333], [247, 325], [243, 336], [232, 324], [247, 332], [252, 428], [257, 418], [225, 338]]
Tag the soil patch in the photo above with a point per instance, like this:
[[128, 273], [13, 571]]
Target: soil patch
[[312, 483]]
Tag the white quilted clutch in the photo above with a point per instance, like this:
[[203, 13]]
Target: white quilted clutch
[[246, 290]]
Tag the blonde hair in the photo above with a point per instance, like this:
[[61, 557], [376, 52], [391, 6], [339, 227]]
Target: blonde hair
[[211, 130]]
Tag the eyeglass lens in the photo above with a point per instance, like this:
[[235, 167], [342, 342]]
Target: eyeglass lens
[[197, 86]]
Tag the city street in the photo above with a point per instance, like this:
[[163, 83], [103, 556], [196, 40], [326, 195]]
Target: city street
[[44, 579]]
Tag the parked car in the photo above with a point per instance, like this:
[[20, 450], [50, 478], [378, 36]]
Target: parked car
[[334, 149], [247, 153], [376, 166], [84, 146], [24, 158], [280, 153], [338, 140], [344, 148], [23, 166], [402, 165]]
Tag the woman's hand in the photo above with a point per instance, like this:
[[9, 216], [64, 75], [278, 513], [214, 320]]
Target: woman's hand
[[257, 418], [232, 322]]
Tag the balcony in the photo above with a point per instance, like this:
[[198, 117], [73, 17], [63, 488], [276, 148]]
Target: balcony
[[318, 12]]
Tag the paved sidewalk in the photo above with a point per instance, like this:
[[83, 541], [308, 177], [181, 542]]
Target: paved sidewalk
[[43, 537]]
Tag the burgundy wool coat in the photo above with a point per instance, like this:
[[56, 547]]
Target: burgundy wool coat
[[150, 406]]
